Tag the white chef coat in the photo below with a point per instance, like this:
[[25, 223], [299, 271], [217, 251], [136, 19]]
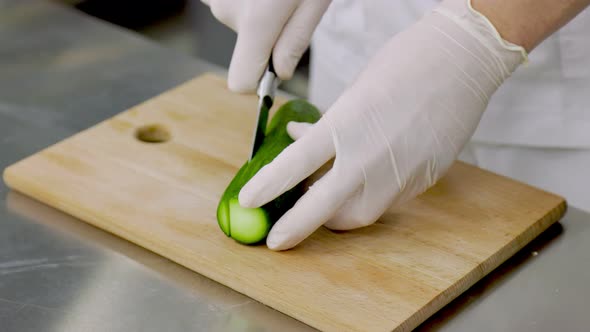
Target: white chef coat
[[543, 105]]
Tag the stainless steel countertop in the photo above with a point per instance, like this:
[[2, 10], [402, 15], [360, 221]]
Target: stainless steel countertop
[[60, 72]]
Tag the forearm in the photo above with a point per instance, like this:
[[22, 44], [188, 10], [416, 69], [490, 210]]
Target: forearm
[[529, 22]]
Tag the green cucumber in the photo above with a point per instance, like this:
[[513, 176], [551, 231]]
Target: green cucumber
[[251, 225]]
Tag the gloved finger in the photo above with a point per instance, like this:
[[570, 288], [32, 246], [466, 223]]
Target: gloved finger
[[257, 35], [224, 11], [296, 130], [314, 208], [380, 193], [383, 180], [293, 165], [296, 36], [358, 212]]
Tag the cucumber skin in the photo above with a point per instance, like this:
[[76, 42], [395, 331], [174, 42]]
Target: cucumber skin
[[275, 141]]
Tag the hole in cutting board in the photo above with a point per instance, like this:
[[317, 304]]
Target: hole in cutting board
[[152, 133]]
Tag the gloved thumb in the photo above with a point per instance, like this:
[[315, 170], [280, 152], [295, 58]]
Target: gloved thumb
[[297, 129]]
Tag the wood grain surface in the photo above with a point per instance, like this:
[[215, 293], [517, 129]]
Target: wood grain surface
[[163, 196]]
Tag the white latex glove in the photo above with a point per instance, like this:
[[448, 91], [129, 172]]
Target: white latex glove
[[395, 131], [284, 27]]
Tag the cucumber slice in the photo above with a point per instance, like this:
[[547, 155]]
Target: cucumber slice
[[251, 225]]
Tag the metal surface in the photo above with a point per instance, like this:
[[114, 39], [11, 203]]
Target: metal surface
[[61, 72], [266, 94]]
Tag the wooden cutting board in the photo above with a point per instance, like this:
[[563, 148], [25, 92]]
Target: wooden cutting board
[[163, 196]]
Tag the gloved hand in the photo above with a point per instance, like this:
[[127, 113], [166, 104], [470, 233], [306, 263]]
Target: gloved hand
[[395, 131], [283, 27]]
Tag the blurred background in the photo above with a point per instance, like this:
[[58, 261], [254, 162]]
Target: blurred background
[[183, 25]]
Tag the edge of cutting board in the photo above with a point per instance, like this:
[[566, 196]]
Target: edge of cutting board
[[489, 265]]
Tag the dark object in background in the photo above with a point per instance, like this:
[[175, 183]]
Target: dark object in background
[[132, 14]]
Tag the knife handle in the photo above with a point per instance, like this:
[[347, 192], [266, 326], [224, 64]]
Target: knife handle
[[269, 82]]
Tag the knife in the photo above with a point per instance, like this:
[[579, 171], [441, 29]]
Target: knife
[[266, 94]]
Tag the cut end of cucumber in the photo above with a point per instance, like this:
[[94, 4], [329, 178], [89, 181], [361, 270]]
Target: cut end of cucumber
[[223, 218], [248, 225]]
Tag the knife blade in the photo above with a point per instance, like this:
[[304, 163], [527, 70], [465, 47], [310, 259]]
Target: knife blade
[[266, 94]]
